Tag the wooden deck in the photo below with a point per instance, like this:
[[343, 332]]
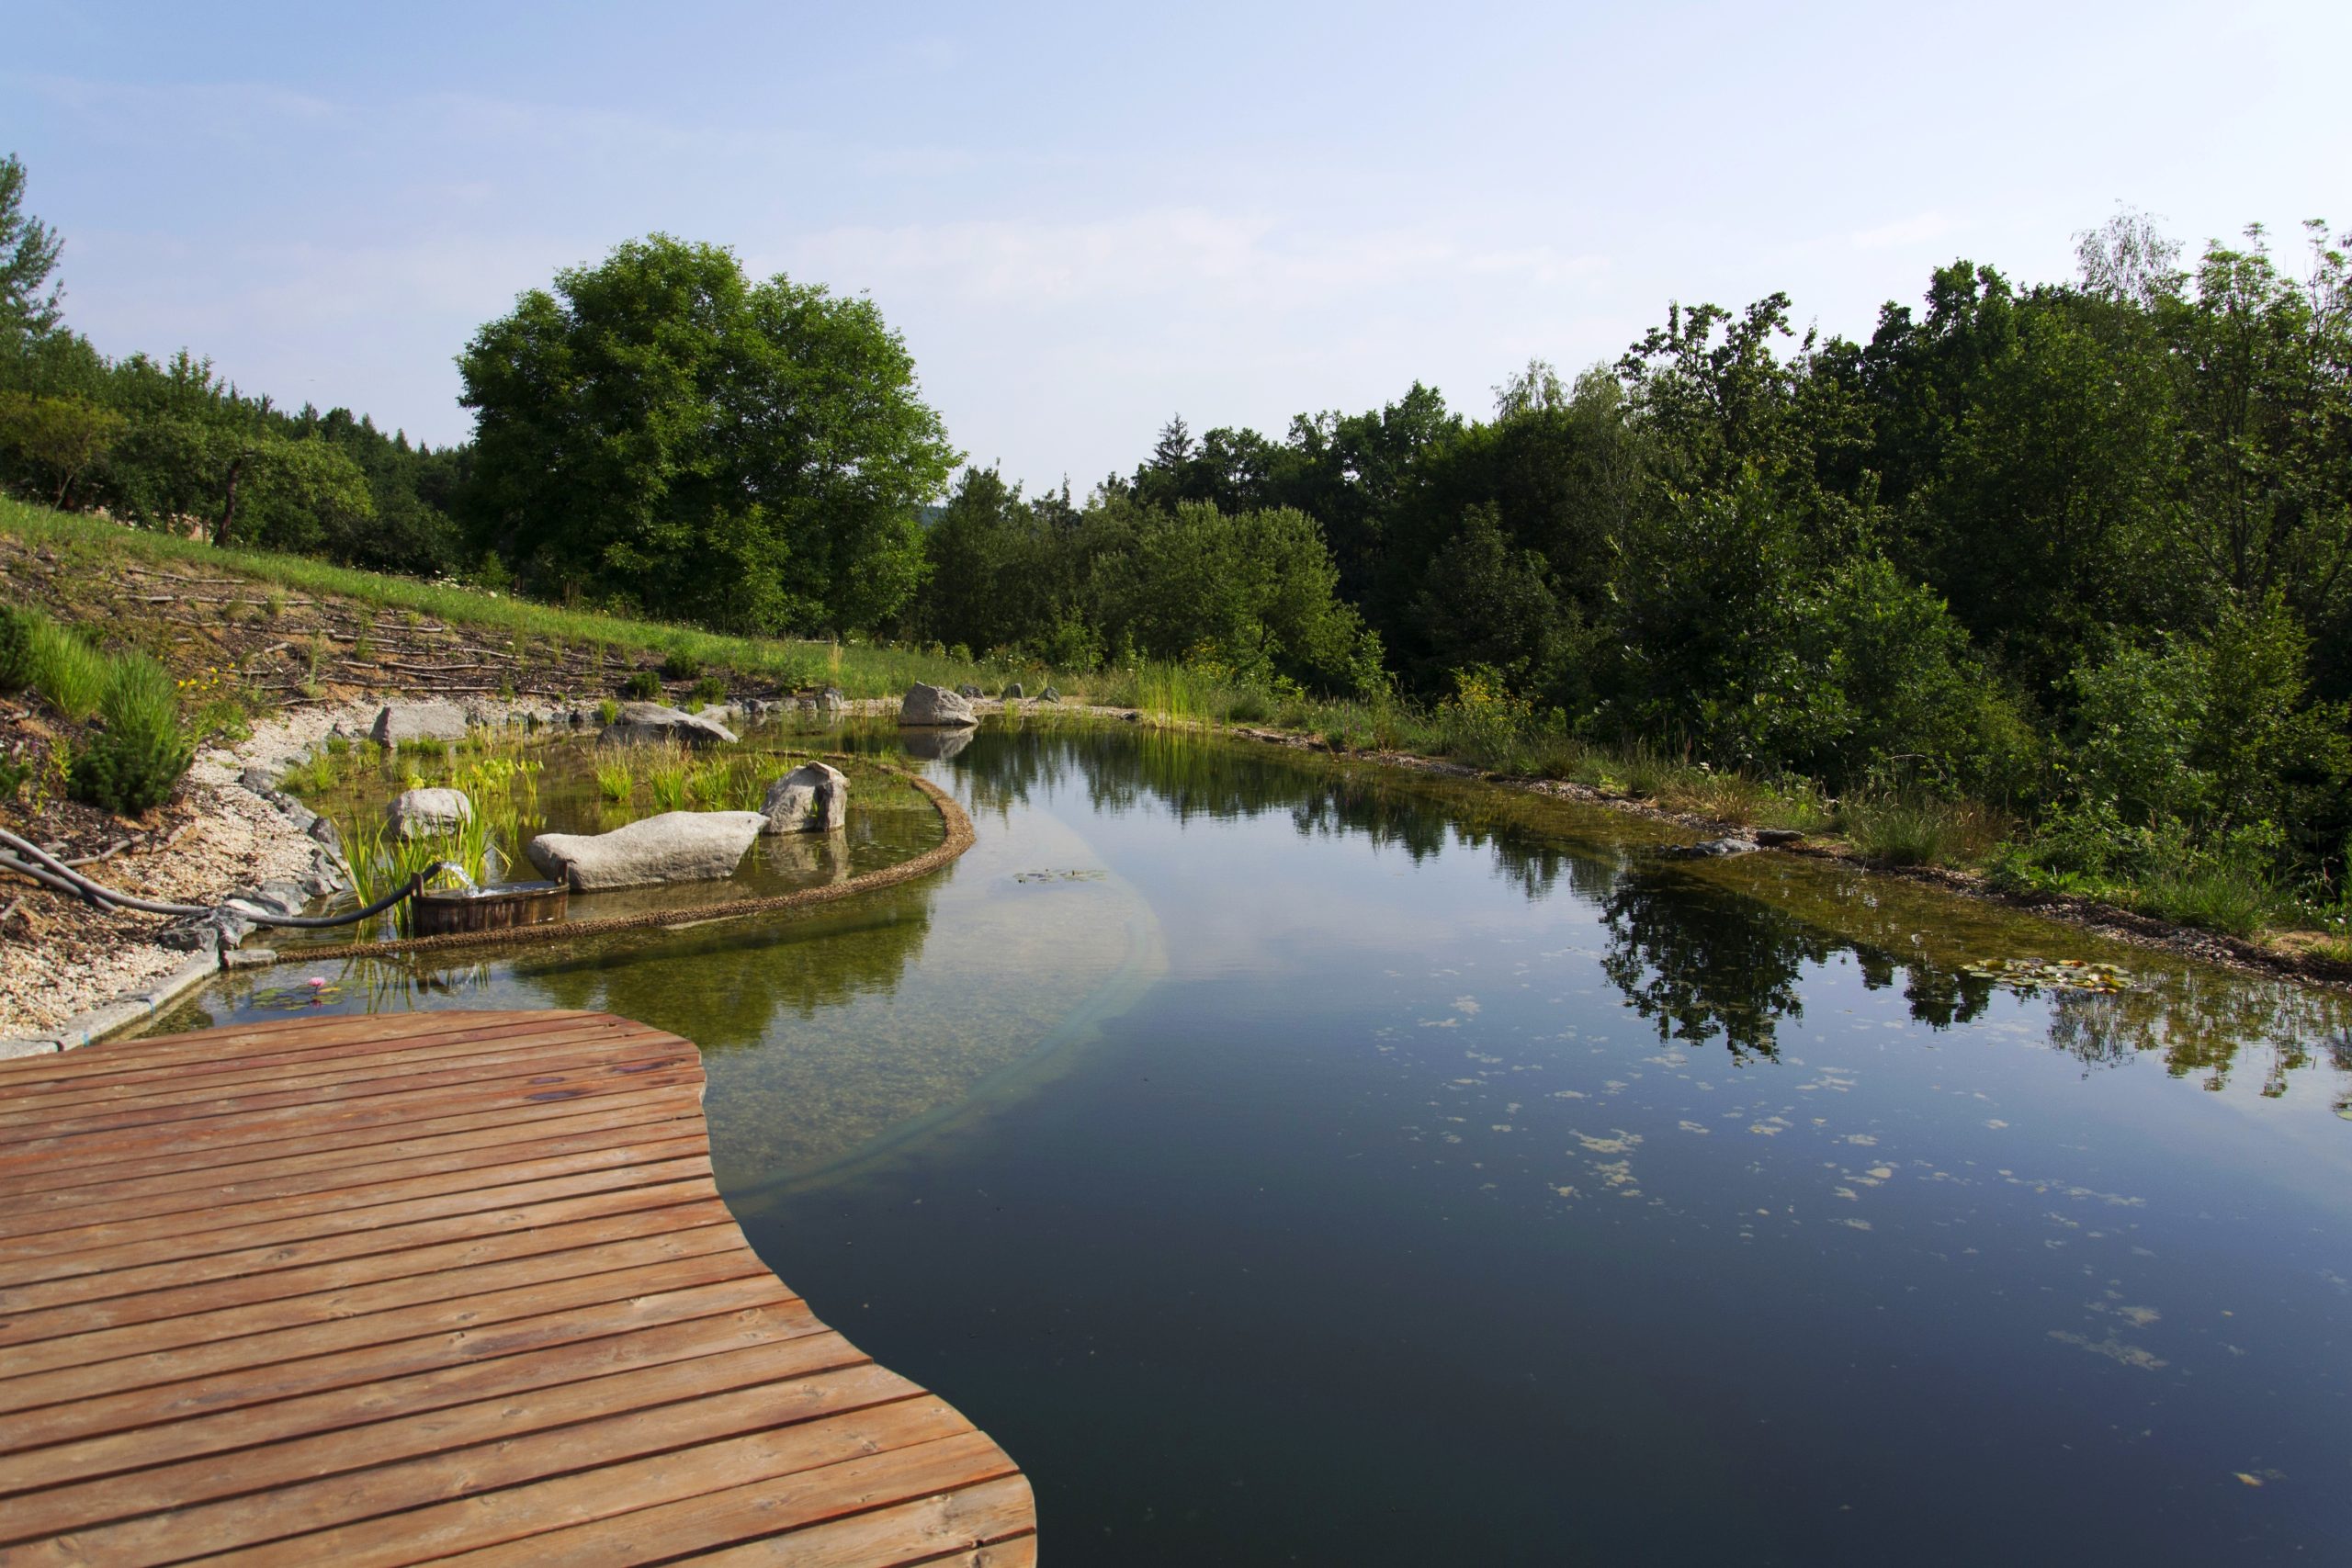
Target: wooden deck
[[432, 1287]]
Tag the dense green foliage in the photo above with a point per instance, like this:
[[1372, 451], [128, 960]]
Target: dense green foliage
[[662, 433], [2077, 552]]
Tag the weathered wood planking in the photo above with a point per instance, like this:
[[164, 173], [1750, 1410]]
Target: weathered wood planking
[[432, 1287]]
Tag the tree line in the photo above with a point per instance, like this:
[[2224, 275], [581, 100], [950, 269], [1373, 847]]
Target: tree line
[[2078, 549]]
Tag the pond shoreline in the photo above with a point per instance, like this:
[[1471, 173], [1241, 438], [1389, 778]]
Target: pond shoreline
[[2100, 918], [263, 836]]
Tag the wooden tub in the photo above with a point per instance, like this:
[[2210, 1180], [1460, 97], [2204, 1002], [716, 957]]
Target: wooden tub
[[495, 907]]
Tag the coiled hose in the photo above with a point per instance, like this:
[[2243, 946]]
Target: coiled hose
[[28, 858]]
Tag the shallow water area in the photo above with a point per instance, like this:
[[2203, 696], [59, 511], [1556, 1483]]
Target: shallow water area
[[1291, 1160]]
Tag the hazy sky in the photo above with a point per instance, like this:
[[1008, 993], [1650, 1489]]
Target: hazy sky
[[1085, 219]]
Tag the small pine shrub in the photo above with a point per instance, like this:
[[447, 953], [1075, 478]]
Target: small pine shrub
[[710, 689], [16, 648], [136, 761], [681, 666], [642, 686], [67, 670]]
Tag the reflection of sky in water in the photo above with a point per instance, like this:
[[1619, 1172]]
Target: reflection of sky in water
[[1379, 1170]]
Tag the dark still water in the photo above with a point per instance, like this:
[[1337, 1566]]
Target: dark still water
[[1290, 1162]]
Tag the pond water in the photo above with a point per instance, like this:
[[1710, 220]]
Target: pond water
[[1292, 1161]]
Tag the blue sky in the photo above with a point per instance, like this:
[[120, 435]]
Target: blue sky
[[1085, 219]]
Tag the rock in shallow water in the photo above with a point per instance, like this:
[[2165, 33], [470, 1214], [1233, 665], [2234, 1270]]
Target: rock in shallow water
[[650, 724], [419, 721], [927, 706], [418, 813], [810, 800], [677, 846]]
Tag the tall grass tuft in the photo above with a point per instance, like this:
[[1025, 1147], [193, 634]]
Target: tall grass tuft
[[669, 775], [616, 781], [1904, 830]]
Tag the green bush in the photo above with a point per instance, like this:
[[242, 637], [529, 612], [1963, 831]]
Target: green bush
[[134, 761], [710, 689], [681, 666], [642, 686]]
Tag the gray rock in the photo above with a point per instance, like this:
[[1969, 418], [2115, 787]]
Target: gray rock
[[677, 846], [288, 896], [831, 700], [968, 691], [1050, 695], [935, 706], [1012, 692], [1778, 837], [418, 721], [1713, 849], [650, 724], [327, 834], [261, 781], [810, 800], [250, 958], [422, 813]]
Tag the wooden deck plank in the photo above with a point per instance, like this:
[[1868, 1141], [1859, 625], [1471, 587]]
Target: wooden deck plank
[[104, 1273], [923, 1531], [82, 1503], [814, 1447], [617, 1531], [190, 1096], [135, 1186], [355, 1310], [285, 1288], [66, 1078], [361, 1201], [370, 1290], [237, 1387], [97, 1148]]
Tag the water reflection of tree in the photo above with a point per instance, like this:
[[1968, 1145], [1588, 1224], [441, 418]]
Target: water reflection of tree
[[724, 985], [1120, 769], [1699, 961], [1700, 950], [2197, 1021]]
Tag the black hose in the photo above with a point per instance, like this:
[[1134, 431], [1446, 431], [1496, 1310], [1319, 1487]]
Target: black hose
[[51, 872]]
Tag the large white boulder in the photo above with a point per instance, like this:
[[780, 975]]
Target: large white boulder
[[425, 813], [677, 846], [935, 706], [810, 799], [650, 724]]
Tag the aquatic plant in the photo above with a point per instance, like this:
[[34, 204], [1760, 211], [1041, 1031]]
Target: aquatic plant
[[615, 779], [668, 775]]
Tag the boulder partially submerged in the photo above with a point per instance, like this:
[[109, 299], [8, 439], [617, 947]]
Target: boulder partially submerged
[[650, 724], [810, 800], [677, 846], [928, 707], [419, 721], [426, 813]]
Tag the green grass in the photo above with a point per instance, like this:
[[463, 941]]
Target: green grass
[[1899, 830]]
